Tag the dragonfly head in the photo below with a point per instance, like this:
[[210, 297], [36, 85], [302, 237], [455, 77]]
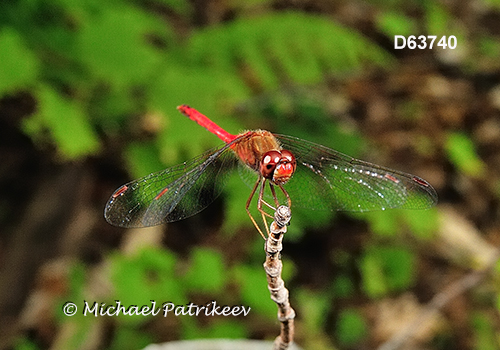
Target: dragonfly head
[[278, 166]]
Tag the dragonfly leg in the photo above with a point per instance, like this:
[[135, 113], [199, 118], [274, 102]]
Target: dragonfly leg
[[262, 201], [248, 206], [259, 206], [269, 206], [274, 195], [286, 195]]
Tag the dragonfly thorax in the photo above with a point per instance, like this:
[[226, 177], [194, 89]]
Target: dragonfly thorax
[[261, 151]]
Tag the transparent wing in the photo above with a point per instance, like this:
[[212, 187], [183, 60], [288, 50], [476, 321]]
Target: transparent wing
[[329, 180], [171, 194]]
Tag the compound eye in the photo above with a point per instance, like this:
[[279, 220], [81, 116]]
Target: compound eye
[[268, 163], [287, 156]]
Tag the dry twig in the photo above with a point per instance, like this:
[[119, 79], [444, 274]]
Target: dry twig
[[276, 285]]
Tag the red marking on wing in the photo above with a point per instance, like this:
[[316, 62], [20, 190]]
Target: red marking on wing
[[120, 191], [392, 178], [420, 181], [161, 193]]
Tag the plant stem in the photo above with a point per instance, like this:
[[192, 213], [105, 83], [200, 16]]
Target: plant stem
[[276, 285]]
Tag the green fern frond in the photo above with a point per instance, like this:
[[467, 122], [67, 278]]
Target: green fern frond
[[284, 47]]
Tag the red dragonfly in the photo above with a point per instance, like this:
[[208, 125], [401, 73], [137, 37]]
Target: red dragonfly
[[311, 175]]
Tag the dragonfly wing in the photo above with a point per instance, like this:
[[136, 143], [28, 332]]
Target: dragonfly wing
[[327, 179], [171, 194]]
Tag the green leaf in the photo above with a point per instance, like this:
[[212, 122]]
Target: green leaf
[[142, 159], [178, 6], [283, 46], [394, 23], [111, 106], [129, 338], [438, 19], [372, 274], [382, 223], [489, 46], [399, 266], [441, 23], [19, 66], [207, 271], [149, 275], [493, 3], [114, 46], [351, 327], [77, 278], [485, 334], [67, 123], [386, 269], [312, 306], [462, 153], [254, 292], [251, 3], [422, 223], [25, 344], [342, 286]]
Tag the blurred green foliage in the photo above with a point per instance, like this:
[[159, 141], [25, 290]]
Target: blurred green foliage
[[422, 223], [207, 272], [96, 64], [150, 275], [25, 344], [313, 306], [20, 67], [342, 286], [393, 23], [66, 122], [279, 47], [489, 46], [154, 274], [129, 338], [352, 327], [228, 329], [485, 333], [254, 290], [386, 269], [461, 152]]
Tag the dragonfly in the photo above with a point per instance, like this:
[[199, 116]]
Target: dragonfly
[[301, 172]]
